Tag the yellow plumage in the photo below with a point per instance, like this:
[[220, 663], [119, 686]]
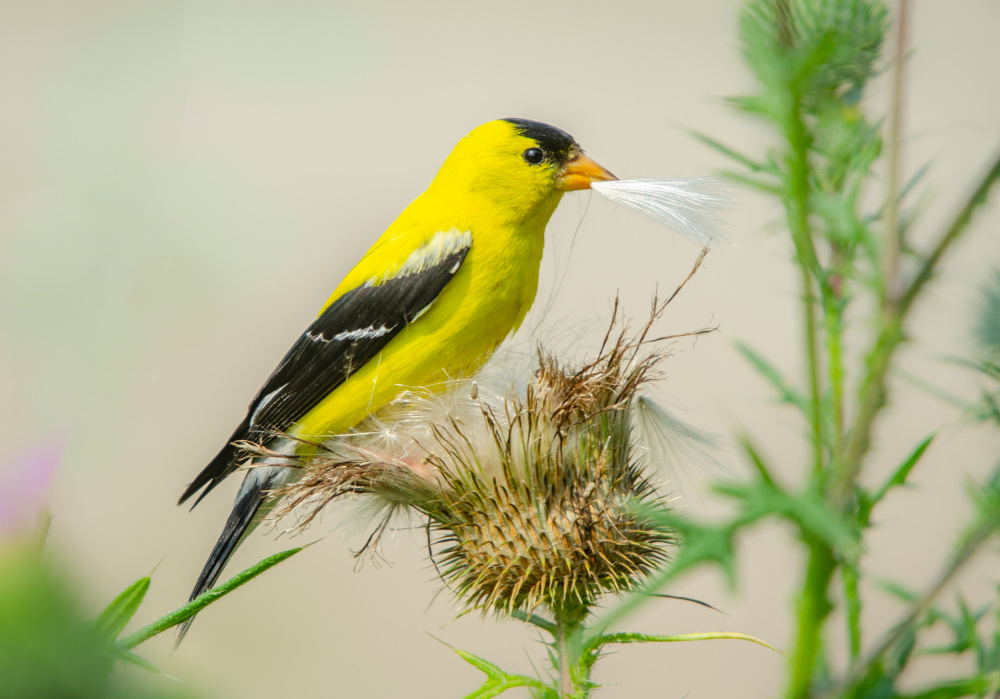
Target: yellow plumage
[[452, 276], [486, 189]]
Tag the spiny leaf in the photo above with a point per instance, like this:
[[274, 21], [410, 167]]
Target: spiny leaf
[[897, 590], [757, 460], [816, 516], [808, 509], [913, 181], [746, 161], [897, 478], [594, 643], [787, 393], [133, 659], [986, 497], [497, 681], [752, 182], [963, 628], [184, 613], [699, 544], [954, 231], [971, 686], [117, 614]]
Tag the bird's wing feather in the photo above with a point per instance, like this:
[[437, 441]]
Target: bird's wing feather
[[351, 331]]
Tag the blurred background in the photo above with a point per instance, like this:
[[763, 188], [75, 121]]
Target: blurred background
[[183, 184]]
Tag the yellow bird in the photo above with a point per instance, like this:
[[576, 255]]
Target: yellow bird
[[439, 290]]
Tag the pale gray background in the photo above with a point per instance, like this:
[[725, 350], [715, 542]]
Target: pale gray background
[[182, 184]]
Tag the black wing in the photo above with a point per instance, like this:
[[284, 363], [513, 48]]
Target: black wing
[[348, 334]]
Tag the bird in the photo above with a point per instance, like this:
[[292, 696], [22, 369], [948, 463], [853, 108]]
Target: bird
[[433, 297]]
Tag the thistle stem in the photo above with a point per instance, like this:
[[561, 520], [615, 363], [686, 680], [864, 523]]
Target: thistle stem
[[981, 532], [894, 237], [565, 680], [797, 211], [890, 336], [813, 608]]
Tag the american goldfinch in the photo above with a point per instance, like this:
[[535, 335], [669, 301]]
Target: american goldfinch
[[439, 290]]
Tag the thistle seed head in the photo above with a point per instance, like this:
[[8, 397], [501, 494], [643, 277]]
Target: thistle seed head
[[536, 498]]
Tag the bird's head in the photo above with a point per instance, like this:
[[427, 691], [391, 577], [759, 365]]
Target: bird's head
[[521, 165]]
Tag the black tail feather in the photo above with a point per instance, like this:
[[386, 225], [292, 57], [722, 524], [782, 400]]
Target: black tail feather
[[241, 522], [218, 468]]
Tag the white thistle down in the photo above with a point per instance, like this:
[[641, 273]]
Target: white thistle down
[[689, 206]]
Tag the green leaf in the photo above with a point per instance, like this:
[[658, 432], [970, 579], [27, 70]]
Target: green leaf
[[757, 183], [184, 613], [698, 544], [898, 591], [897, 478], [133, 659], [963, 627], [117, 614], [596, 642], [786, 392], [901, 653], [913, 181], [497, 681], [746, 161], [757, 460], [535, 620], [814, 515], [972, 686], [986, 497]]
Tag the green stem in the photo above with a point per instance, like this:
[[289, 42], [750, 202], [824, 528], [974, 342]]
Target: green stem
[[813, 608], [979, 535], [872, 398], [573, 664], [958, 226], [834, 349], [894, 236], [797, 213], [852, 603], [890, 336], [565, 680]]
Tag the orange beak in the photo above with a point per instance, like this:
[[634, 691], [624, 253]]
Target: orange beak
[[580, 172]]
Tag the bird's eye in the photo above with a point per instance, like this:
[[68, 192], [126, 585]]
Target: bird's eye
[[533, 156]]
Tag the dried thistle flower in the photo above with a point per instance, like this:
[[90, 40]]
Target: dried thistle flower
[[531, 499]]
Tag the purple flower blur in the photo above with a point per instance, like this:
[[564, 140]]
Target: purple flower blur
[[24, 483]]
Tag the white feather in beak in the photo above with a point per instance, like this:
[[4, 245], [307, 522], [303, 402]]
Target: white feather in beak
[[691, 207]]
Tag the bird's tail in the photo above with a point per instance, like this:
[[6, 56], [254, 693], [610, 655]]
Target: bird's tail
[[253, 503]]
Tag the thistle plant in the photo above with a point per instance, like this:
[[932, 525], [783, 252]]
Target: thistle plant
[[812, 61]]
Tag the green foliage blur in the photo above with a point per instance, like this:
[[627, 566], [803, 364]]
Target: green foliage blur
[[48, 648], [812, 61], [51, 649]]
